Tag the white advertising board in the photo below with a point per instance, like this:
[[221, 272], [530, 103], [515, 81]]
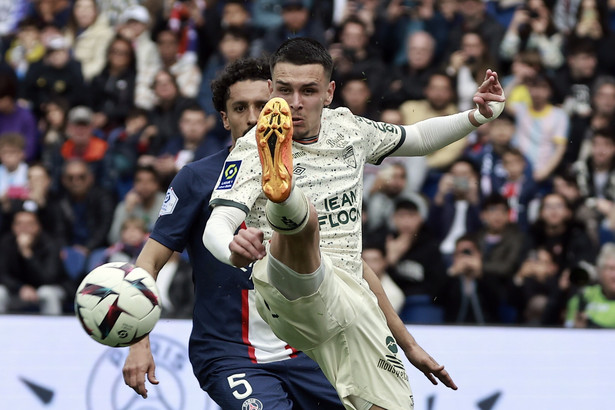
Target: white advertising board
[[50, 363]]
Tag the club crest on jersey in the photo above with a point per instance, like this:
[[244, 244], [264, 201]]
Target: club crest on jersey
[[252, 404], [229, 173], [349, 156], [170, 201]]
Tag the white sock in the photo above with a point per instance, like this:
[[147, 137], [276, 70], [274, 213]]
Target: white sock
[[290, 216]]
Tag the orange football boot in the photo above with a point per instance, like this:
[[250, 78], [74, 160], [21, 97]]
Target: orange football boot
[[274, 136]]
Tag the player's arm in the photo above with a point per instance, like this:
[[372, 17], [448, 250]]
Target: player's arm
[[428, 136], [235, 250], [140, 361], [415, 353], [153, 257]]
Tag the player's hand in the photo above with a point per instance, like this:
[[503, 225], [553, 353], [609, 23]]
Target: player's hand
[[139, 363], [489, 91], [247, 247], [430, 368]]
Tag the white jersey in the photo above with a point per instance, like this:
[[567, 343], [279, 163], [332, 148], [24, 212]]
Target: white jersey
[[329, 171]]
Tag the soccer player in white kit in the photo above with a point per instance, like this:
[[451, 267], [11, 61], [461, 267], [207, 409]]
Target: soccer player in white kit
[[304, 198]]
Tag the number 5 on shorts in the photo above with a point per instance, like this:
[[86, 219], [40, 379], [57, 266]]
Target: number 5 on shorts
[[236, 380]]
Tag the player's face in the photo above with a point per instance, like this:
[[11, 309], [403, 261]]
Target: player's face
[[245, 102], [307, 90]]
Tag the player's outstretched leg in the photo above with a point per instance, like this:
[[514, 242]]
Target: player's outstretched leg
[[287, 209]]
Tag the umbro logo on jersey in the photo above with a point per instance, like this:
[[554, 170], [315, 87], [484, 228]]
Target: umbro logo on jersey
[[299, 170]]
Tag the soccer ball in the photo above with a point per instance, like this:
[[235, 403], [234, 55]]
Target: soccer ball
[[117, 304]]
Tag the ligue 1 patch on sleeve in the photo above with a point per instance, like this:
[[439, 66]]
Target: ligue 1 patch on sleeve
[[170, 200], [229, 174]]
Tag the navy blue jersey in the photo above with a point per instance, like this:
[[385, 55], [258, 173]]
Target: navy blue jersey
[[225, 323]]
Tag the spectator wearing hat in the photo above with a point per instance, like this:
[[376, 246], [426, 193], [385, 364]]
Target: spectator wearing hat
[[135, 21], [14, 117], [56, 75], [296, 22], [81, 144]]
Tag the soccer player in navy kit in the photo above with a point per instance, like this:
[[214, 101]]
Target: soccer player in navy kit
[[235, 356]]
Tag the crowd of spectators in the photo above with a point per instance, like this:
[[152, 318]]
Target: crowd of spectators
[[103, 101]]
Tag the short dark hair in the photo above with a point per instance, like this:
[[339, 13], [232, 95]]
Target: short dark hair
[[494, 199], [302, 51], [580, 45], [148, 169], [514, 151], [236, 32], [468, 237], [352, 19], [406, 205], [606, 132], [245, 69], [193, 106]]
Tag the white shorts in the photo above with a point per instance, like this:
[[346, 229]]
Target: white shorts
[[342, 328]]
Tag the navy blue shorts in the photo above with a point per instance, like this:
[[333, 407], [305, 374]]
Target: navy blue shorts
[[296, 384]]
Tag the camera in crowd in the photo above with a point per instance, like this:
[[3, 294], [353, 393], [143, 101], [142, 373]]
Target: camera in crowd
[[525, 29], [461, 183], [533, 14]]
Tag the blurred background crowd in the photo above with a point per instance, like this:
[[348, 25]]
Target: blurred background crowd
[[103, 101]]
